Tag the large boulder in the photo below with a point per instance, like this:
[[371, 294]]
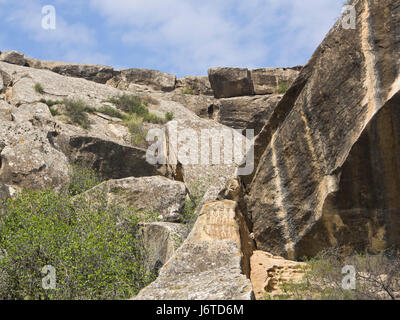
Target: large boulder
[[230, 82], [156, 195], [13, 57], [27, 158], [212, 263], [328, 158], [195, 85], [204, 154], [156, 80], [270, 273], [268, 80], [96, 73], [160, 240], [245, 112]]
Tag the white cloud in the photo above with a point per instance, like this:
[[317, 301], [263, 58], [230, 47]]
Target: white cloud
[[73, 41], [191, 36]]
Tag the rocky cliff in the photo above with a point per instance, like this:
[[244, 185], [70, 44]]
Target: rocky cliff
[[326, 155]]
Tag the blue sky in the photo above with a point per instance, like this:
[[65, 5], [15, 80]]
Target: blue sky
[[183, 37]]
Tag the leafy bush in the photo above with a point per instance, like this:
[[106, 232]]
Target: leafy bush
[[38, 88], [283, 87], [76, 111], [169, 116], [93, 249], [81, 179], [93, 245]]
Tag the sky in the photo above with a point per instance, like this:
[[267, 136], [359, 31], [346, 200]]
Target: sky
[[182, 37]]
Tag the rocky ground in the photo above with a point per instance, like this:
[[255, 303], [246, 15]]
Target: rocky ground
[[326, 156]]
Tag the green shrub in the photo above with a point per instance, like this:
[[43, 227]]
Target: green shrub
[[187, 91], [93, 247], [283, 87], [198, 189], [50, 102], [76, 111], [134, 105], [81, 179], [38, 88], [169, 116], [109, 111], [130, 104]]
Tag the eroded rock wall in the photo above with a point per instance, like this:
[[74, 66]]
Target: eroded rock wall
[[323, 178]]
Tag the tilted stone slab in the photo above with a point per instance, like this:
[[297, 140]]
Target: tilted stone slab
[[213, 262]]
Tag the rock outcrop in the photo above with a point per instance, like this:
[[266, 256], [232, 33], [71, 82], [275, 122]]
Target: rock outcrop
[[155, 195], [245, 112], [213, 262], [268, 80], [328, 158], [96, 73], [13, 57], [160, 240], [230, 82], [195, 85], [154, 79], [269, 273]]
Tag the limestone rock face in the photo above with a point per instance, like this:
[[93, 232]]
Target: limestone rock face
[[246, 112], [269, 272], [158, 195], [157, 80], [328, 157], [160, 241], [212, 263], [27, 158], [230, 82], [267, 80], [13, 57], [198, 85], [96, 73], [198, 147]]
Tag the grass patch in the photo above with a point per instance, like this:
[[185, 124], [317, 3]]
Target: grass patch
[[38, 88], [134, 105], [137, 131], [109, 111], [187, 91], [169, 116], [283, 87]]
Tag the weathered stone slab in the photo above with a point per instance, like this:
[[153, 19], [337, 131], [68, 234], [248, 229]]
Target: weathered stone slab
[[268, 80], [213, 262], [230, 82]]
